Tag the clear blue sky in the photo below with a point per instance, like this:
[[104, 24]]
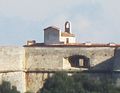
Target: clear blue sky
[[91, 20]]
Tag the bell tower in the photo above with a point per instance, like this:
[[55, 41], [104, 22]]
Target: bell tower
[[67, 27]]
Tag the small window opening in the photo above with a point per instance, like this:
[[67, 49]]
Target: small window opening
[[79, 61], [67, 40]]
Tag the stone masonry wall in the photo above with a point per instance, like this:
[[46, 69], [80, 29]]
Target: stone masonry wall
[[28, 67], [14, 80], [42, 60], [51, 58], [11, 67]]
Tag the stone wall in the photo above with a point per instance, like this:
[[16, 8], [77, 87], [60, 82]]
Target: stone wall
[[28, 67], [35, 81], [11, 58], [11, 67], [40, 61], [13, 80], [52, 58]]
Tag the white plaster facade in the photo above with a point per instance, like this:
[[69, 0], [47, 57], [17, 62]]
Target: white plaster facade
[[67, 40]]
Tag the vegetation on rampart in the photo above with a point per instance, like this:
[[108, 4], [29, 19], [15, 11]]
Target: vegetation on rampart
[[61, 82]]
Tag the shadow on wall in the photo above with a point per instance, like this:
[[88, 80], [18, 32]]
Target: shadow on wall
[[106, 65], [81, 61], [6, 87]]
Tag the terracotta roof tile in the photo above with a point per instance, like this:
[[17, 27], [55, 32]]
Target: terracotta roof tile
[[65, 34]]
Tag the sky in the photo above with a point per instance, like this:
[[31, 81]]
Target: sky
[[95, 21]]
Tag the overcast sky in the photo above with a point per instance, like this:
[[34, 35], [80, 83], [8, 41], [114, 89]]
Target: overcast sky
[[97, 21]]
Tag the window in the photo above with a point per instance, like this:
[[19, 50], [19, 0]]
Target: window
[[67, 40], [79, 61]]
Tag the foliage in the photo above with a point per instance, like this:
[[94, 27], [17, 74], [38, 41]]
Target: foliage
[[60, 82], [5, 87]]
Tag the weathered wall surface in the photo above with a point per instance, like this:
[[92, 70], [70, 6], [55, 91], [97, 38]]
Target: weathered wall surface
[[39, 60], [12, 80], [11, 67], [11, 58], [43, 58], [35, 81], [28, 67]]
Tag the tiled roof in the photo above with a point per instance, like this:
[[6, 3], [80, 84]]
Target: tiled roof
[[65, 34]]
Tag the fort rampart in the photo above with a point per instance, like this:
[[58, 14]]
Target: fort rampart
[[28, 67]]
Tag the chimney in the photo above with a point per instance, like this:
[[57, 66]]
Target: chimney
[[31, 42]]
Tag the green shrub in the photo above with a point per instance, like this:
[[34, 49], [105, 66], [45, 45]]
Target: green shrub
[[60, 82]]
